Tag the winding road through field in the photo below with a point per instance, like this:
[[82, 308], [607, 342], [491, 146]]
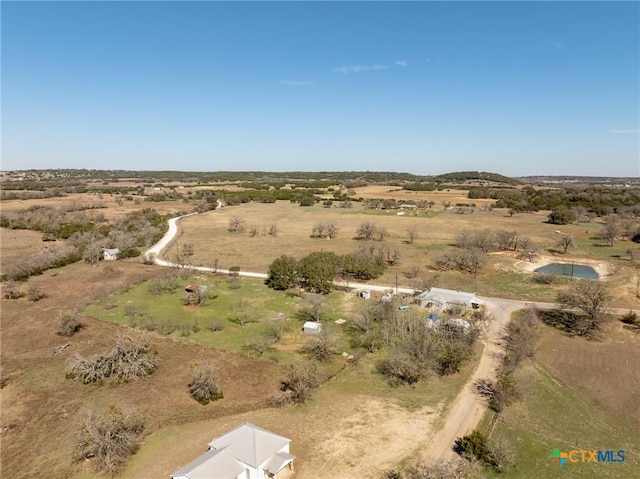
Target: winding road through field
[[466, 411]]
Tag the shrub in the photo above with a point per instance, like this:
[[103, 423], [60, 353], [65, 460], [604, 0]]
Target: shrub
[[214, 325], [631, 319], [68, 323], [320, 347], [35, 293], [258, 344], [400, 369], [109, 439], [11, 291], [298, 386], [473, 445], [203, 386]]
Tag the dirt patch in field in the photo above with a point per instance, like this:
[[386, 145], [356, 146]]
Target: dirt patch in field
[[39, 404], [372, 436]]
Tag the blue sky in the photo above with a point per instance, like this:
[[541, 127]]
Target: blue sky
[[517, 88]]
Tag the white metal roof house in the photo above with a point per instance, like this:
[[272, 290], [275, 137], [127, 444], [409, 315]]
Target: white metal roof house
[[110, 254], [443, 299], [245, 452]]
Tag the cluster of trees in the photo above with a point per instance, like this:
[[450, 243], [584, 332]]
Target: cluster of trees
[[326, 229], [238, 225], [317, 271], [473, 245], [596, 201], [520, 339], [414, 348], [84, 237], [470, 261], [368, 231]]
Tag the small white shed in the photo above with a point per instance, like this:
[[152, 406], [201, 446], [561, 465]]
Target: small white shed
[[311, 327], [110, 254]]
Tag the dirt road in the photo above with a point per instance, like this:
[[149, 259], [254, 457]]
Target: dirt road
[[467, 409]]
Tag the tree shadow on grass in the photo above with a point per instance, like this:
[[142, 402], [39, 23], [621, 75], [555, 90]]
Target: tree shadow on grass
[[566, 321]]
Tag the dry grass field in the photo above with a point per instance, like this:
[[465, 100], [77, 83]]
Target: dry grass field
[[604, 371], [450, 195], [113, 205], [504, 276]]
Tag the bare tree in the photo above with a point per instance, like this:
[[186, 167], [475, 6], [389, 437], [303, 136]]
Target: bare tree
[[236, 224], [318, 230], [507, 240], [331, 229], [529, 248], [109, 439], [313, 307], [381, 233], [593, 299], [565, 243], [273, 229], [299, 384], [242, 313], [413, 272], [412, 235], [253, 231], [610, 232], [258, 344], [321, 347], [366, 231]]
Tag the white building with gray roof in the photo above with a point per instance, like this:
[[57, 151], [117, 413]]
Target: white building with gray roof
[[245, 452]]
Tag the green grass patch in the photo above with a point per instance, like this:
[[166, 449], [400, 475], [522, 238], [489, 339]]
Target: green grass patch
[[363, 379], [549, 416], [210, 324]]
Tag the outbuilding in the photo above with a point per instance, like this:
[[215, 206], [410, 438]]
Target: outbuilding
[[311, 327]]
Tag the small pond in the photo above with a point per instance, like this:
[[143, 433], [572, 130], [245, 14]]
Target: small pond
[[569, 269]]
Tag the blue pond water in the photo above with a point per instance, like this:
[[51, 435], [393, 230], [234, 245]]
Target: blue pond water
[[569, 269]]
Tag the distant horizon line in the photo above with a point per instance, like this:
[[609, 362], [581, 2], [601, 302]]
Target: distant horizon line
[[540, 175]]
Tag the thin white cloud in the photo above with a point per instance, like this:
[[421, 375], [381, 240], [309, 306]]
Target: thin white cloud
[[402, 63], [296, 83], [625, 132], [360, 68]]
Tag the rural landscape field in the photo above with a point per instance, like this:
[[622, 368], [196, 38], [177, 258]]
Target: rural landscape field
[[548, 361]]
